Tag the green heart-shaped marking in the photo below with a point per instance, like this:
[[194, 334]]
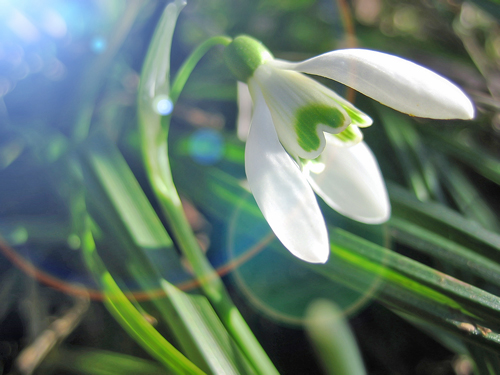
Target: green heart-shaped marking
[[309, 117]]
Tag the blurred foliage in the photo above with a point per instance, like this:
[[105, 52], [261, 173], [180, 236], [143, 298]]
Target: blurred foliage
[[422, 291]]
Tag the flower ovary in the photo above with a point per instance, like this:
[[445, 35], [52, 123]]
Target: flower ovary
[[244, 55]]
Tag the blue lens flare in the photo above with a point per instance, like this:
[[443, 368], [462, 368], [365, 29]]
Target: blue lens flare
[[163, 105], [206, 146], [98, 44]]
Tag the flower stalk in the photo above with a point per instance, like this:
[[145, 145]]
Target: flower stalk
[[154, 94], [190, 63]]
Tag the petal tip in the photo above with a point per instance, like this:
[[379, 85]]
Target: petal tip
[[470, 111], [318, 257], [368, 122], [378, 213], [381, 218], [463, 106]]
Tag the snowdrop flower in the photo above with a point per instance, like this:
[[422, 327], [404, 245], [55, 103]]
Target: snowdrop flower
[[305, 138]]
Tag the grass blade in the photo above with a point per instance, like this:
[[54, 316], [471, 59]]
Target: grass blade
[[138, 243], [334, 340]]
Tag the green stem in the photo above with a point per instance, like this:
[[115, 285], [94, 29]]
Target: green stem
[[155, 152], [210, 282], [188, 66]]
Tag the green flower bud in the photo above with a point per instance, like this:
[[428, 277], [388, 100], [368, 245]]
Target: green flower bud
[[244, 55]]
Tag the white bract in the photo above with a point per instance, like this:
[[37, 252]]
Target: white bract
[[305, 138]]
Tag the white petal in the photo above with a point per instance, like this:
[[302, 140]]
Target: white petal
[[282, 191], [393, 81], [351, 183], [244, 111], [301, 108]]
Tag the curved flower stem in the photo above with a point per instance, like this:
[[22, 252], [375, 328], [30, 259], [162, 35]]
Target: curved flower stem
[[188, 66], [154, 134]]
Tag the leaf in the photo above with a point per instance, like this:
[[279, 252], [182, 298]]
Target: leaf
[[101, 362], [131, 319], [445, 222], [441, 248], [137, 241], [334, 341], [466, 150], [419, 172], [467, 197]]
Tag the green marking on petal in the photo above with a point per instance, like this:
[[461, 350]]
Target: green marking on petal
[[308, 119], [349, 135], [358, 118]]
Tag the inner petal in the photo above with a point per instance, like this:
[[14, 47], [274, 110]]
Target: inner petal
[[308, 118], [302, 109], [348, 138], [351, 183]]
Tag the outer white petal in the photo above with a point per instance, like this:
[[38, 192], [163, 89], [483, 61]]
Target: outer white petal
[[286, 94], [244, 111], [351, 183], [282, 191], [393, 81]]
